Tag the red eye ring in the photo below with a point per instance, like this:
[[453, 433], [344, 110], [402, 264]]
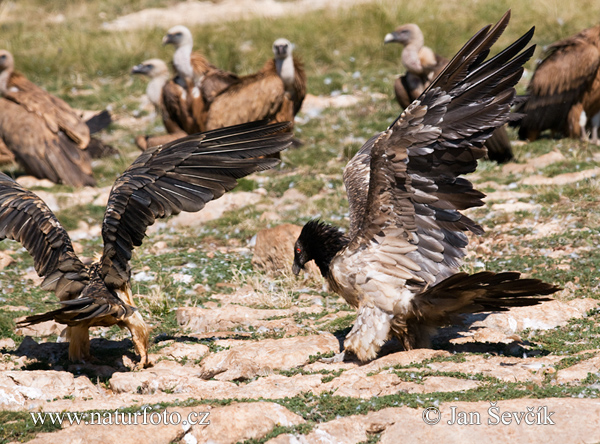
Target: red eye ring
[[298, 250]]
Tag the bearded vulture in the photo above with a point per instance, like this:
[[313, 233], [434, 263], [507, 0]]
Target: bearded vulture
[[422, 66], [398, 265], [564, 91], [44, 134], [164, 180], [275, 92], [196, 84]]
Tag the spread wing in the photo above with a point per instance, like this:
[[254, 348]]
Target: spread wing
[[56, 113], [25, 218], [180, 176], [256, 97], [412, 227], [559, 82]]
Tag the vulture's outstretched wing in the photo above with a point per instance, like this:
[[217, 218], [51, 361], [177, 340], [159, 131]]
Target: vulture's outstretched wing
[[412, 227], [180, 176], [559, 82], [25, 218], [56, 113]]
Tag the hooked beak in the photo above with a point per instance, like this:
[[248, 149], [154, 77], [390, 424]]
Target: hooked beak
[[139, 69], [296, 269], [389, 37], [167, 39]]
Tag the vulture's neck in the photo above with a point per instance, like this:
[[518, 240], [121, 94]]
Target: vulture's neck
[[325, 244], [410, 58], [154, 89], [4, 78], [285, 69], [182, 61]]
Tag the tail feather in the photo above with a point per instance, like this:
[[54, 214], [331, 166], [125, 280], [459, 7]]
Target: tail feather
[[99, 121], [484, 291], [498, 146]]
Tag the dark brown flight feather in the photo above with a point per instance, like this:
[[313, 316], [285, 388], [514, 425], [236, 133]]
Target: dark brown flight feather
[[180, 176]]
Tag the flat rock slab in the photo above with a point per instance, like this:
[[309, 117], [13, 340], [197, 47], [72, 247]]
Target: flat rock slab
[[261, 358], [227, 425]]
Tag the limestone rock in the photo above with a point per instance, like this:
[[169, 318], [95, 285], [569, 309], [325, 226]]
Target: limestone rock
[[240, 422], [5, 260], [579, 371], [43, 329], [261, 358], [179, 350]]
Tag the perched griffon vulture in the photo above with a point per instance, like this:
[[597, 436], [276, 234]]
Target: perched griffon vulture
[[399, 263], [564, 91], [196, 84], [422, 66], [275, 92], [158, 72], [44, 133], [164, 180]]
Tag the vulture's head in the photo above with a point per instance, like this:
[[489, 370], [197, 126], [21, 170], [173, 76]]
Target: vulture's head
[[282, 48], [178, 36], [6, 60], [151, 68], [320, 242], [404, 34]]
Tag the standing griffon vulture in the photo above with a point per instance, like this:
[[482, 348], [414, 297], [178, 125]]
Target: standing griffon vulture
[[399, 263], [564, 91], [44, 133], [164, 180], [196, 84], [158, 72], [275, 92], [422, 66]]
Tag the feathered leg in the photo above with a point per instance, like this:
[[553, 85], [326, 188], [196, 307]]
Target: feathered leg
[[370, 331], [79, 342]]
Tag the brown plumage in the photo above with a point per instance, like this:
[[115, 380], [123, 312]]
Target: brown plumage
[[196, 84], [44, 133], [275, 92], [163, 181], [399, 263], [565, 84], [422, 66]]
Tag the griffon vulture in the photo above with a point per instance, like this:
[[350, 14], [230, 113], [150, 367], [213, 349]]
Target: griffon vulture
[[158, 72], [398, 265], [275, 92], [564, 91], [44, 133], [422, 66], [164, 180], [196, 84]]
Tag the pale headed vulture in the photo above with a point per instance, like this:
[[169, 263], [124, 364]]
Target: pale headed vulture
[[398, 265], [422, 66], [196, 84], [564, 92], [45, 135], [275, 92], [180, 176]]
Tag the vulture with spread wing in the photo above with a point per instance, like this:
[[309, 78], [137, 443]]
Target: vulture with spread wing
[[422, 66], [398, 265], [196, 84], [275, 92], [564, 91], [165, 180], [43, 133]]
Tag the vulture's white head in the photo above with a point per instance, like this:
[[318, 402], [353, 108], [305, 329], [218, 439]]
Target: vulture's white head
[[405, 34], [151, 68], [178, 36], [282, 48], [6, 60]]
